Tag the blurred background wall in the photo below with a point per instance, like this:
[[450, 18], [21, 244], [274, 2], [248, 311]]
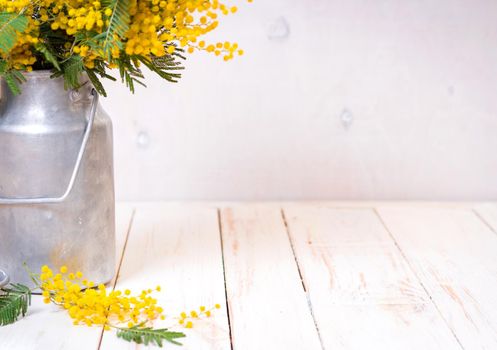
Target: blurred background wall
[[334, 99]]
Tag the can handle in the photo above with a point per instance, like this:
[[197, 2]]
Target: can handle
[[63, 197]]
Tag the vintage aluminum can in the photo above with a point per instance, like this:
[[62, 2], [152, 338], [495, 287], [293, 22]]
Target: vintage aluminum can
[[57, 202]]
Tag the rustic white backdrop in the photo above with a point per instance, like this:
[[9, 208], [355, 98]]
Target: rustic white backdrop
[[341, 99]]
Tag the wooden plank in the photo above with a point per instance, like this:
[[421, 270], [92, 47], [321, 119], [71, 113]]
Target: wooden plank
[[362, 291], [179, 248], [487, 212], [454, 254], [267, 304], [50, 327]]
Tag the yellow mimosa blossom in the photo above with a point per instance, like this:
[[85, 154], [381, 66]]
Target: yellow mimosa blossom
[[93, 35], [156, 27]]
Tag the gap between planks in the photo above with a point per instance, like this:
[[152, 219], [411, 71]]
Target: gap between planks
[[177, 244], [309, 302], [121, 258], [328, 238], [485, 221], [404, 256], [453, 251], [260, 266], [220, 226]]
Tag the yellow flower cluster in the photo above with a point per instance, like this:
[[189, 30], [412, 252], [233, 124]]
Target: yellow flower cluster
[[21, 55], [80, 18], [156, 28], [97, 306], [93, 305], [187, 320], [157, 24], [12, 6]]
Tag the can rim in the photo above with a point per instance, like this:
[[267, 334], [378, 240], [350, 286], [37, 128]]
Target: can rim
[[38, 73]]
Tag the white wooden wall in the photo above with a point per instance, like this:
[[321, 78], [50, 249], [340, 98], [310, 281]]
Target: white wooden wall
[[333, 99]]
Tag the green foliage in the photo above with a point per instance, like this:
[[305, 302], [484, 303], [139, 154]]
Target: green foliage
[[148, 335], [94, 73], [71, 70], [130, 73], [96, 82], [14, 302], [10, 25], [118, 25], [49, 54], [163, 66], [12, 77]]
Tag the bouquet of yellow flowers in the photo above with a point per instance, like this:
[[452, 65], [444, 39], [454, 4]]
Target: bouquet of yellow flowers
[[71, 37]]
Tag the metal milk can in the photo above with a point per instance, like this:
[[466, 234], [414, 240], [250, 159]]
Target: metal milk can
[[56, 180]]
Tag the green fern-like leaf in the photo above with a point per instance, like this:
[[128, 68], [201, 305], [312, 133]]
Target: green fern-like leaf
[[10, 25], [13, 84], [3, 67], [147, 335], [96, 82], [71, 71], [163, 67], [129, 72], [12, 77], [49, 54], [118, 25], [14, 302]]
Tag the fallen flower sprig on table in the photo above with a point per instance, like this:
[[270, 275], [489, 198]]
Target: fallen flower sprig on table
[[132, 316]]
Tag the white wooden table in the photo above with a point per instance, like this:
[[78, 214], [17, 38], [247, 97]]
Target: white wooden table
[[324, 275]]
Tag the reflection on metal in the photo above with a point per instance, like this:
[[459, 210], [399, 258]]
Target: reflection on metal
[[63, 197]]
